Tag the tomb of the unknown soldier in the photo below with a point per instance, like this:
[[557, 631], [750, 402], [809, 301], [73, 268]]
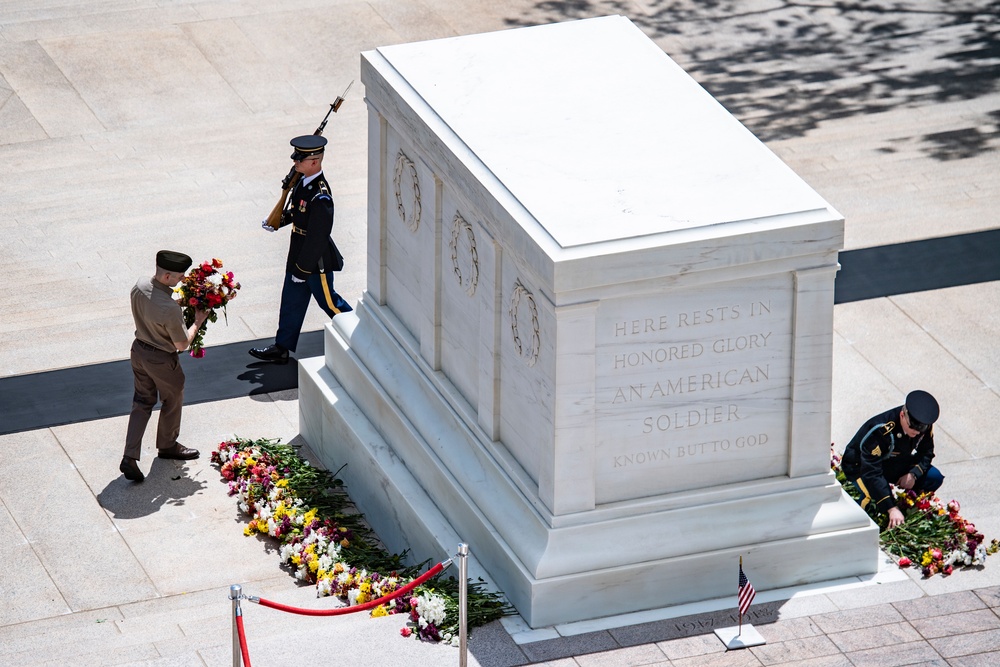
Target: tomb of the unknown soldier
[[596, 339]]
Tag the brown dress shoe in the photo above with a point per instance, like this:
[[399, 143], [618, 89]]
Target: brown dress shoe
[[178, 451], [130, 469]]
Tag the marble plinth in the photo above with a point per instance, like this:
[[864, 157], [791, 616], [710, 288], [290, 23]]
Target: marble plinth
[[596, 339]]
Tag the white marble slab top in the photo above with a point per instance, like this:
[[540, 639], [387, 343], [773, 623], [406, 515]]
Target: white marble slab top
[[597, 132]]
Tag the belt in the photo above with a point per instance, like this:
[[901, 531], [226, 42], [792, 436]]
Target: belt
[[298, 230], [146, 346]]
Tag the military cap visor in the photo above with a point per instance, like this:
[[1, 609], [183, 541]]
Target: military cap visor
[[922, 407], [169, 260], [309, 145]]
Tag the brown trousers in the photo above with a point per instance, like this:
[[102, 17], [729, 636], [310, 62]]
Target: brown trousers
[[158, 374]]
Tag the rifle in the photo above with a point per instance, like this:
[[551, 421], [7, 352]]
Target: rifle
[[274, 219]]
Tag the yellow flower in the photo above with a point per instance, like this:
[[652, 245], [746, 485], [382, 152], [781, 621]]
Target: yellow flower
[[345, 542], [296, 559], [313, 565], [379, 611], [926, 559], [281, 482], [310, 516], [247, 530]]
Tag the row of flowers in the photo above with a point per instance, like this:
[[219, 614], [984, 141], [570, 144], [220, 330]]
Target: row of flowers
[[326, 542], [934, 536]]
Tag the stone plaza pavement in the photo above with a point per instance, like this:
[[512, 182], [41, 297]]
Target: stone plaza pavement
[[127, 126]]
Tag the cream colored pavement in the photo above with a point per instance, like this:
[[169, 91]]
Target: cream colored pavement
[[127, 126]]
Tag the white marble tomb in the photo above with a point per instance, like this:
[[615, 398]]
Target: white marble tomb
[[596, 338]]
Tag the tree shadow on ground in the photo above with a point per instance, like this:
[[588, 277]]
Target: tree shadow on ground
[[784, 67]]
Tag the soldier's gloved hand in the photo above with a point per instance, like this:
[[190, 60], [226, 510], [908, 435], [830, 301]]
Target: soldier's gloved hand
[[297, 280], [267, 227]]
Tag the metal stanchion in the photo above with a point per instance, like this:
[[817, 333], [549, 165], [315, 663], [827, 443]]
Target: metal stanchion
[[463, 604], [235, 593]]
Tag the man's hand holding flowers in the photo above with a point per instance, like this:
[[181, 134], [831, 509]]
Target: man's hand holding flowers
[[203, 289]]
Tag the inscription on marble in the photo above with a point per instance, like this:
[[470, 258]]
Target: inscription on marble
[[693, 388]]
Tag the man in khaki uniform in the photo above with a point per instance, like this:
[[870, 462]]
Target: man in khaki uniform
[[159, 335]]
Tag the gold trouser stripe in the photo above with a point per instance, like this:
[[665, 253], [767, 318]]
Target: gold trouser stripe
[[326, 291], [861, 485]]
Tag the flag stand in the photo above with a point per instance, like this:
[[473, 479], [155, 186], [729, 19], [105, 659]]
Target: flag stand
[[743, 637], [740, 637]]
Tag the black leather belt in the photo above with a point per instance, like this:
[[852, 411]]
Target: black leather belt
[[298, 230], [152, 348]]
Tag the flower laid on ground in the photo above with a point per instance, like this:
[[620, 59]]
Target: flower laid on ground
[[933, 536], [326, 542], [205, 287]]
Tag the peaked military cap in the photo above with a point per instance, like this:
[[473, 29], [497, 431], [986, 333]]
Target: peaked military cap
[[308, 145], [922, 407], [173, 261]]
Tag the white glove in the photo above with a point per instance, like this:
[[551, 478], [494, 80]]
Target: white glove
[[267, 227], [297, 280]]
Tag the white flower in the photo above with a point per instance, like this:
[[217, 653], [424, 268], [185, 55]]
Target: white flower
[[324, 588], [352, 596], [430, 607]]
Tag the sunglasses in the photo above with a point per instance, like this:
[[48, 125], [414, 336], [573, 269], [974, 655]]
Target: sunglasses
[[915, 425]]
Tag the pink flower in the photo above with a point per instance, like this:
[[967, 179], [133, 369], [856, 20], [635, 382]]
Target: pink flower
[[406, 632], [905, 562], [936, 554], [199, 353], [192, 301], [953, 506]]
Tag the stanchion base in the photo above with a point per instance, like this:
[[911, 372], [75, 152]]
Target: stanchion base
[[735, 637]]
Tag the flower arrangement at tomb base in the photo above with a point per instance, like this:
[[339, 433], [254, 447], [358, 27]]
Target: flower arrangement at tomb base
[[325, 541], [933, 537]]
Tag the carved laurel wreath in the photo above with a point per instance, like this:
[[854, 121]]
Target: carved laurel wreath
[[531, 354], [457, 227], [404, 163]]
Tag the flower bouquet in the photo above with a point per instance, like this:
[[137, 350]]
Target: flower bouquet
[[933, 535], [325, 541], [205, 287]]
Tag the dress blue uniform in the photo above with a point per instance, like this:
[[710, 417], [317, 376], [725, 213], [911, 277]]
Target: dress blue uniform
[[881, 452], [312, 255]]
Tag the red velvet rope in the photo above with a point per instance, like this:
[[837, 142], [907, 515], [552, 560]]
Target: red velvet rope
[[243, 641], [360, 607]]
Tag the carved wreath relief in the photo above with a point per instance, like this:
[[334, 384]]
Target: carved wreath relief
[[405, 164], [469, 279], [522, 300]]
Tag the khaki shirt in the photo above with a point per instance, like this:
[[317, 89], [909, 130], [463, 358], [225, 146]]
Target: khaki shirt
[[158, 318]]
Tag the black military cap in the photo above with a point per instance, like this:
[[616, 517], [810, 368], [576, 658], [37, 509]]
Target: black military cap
[[922, 407], [308, 145], [176, 262]]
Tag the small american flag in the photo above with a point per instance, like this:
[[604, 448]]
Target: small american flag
[[746, 593]]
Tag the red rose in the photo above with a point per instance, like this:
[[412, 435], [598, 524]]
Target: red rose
[[216, 262], [905, 562], [406, 632], [193, 301]]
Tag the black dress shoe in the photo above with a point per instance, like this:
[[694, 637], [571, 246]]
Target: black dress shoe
[[179, 452], [274, 353], [131, 470]]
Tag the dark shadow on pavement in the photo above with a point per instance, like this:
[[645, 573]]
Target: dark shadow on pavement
[[167, 483]]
